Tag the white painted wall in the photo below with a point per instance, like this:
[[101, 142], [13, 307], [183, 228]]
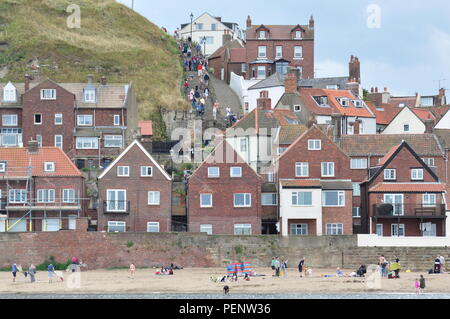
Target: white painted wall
[[322, 119], [275, 94], [240, 86], [406, 116], [369, 124], [287, 211], [197, 35], [251, 156], [444, 123]]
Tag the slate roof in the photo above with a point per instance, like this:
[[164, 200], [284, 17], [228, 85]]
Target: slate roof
[[275, 79], [290, 133], [322, 83], [278, 32], [444, 137]]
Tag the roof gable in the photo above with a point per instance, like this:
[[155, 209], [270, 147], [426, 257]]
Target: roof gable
[[128, 149]]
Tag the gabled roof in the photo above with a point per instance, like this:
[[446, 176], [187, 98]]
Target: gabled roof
[[19, 159], [380, 144], [279, 32], [219, 53], [146, 128], [238, 55], [393, 152], [135, 143], [384, 113]]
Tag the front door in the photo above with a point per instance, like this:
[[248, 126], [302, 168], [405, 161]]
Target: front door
[[72, 222], [397, 202]]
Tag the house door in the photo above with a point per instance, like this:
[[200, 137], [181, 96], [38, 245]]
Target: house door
[[397, 202], [222, 74], [2, 225], [72, 222], [50, 225], [379, 229]]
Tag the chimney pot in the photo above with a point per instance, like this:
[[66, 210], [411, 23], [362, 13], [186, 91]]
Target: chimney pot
[[104, 80], [429, 125]]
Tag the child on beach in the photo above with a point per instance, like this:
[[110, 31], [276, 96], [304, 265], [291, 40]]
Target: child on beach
[[417, 286], [421, 284], [51, 272], [14, 271], [132, 270]]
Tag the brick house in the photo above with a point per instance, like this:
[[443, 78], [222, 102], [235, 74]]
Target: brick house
[[403, 196], [135, 194], [41, 190], [224, 195], [91, 122], [272, 48], [314, 187]]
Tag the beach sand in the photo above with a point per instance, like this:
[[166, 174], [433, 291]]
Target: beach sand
[[198, 281]]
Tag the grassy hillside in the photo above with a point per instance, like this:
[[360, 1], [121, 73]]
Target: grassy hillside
[[113, 41]]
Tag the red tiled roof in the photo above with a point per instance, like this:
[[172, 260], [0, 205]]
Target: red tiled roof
[[409, 101], [386, 115], [238, 55], [307, 96], [18, 159], [146, 128], [423, 114], [408, 187], [389, 154]]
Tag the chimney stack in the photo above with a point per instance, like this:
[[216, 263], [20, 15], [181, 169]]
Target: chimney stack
[[226, 38], [291, 80], [264, 102], [104, 80], [354, 69], [90, 79], [429, 126], [249, 22], [33, 147], [27, 82], [357, 127], [311, 22], [442, 99]]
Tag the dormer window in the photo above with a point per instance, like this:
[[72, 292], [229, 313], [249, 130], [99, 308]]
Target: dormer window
[[298, 34], [262, 34], [90, 96], [358, 103], [48, 94], [402, 105], [49, 166], [321, 100], [344, 102], [9, 93]]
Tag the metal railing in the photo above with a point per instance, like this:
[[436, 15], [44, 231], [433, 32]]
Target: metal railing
[[408, 210], [116, 206]]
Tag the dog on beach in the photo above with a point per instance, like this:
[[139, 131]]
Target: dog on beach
[[226, 290]]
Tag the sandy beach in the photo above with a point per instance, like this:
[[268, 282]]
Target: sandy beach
[[188, 281]]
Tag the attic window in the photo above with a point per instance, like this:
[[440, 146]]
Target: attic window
[[298, 34], [344, 102], [49, 166], [321, 100], [48, 94], [402, 105], [358, 103], [297, 108], [9, 93], [89, 96], [332, 87], [262, 34]]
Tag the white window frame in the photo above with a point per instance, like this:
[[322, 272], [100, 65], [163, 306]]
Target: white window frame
[[117, 224], [90, 96], [417, 174], [272, 202], [298, 34], [48, 94], [279, 51], [262, 53], [58, 116], [358, 163], [117, 120], [59, 141], [22, 196], [396, 206], [39, 140], [153, 224], [69, 195], [2, 167], [117, 202], [327, 169], [49, 167], [356, 189], [113, 138], [213, 175], [87, 143], [206, 228], [46, 196], [9, 93], [34, 119], [297, 108], [429, 161], [262, 35], [242, 229], [379, 230], [429, 200], [154, 198], [335, 229], [298, 55], [12, 122], [340, 199], [233, 173], [243, 145], [300, 169], [146, 171], [85, 120], [395, 230], [202, 204], [247, 200], [358, 212], [314, 145], [390, 174], [123, 171], [300, 229], [295, 199]]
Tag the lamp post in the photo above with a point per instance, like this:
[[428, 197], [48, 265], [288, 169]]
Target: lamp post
[[192, 18]]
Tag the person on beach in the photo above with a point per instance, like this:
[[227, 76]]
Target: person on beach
[[51, 272], [301, 264], [273, 265], [32, 272], [442, 260], [132, 271], [437, 265], [277, 267], [421, 284], [383, 266], [284, 267], [14, 271], [417, 286]]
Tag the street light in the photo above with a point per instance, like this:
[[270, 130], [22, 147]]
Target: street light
[[192, 18]]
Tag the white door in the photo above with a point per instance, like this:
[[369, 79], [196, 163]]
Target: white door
[[429, 230], [72, 222], [50, 225], [222, 74], [16, 226], [379, 229], [2, 225]]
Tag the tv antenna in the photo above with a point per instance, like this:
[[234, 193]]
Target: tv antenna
[[439, 82]]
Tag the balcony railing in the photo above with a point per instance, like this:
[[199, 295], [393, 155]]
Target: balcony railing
[[116, 207], [408, 210]]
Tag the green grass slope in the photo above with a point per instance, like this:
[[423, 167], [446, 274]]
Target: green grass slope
[[113, 40]]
